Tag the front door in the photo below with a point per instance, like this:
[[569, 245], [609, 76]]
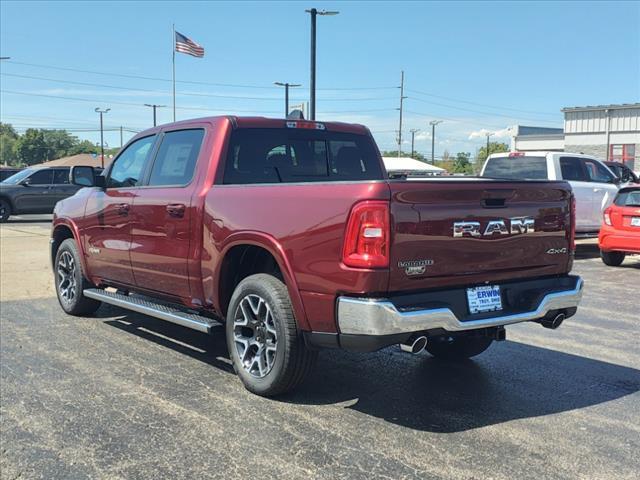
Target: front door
[[603, 186], [162, 213], [106, 229], [35, 194]]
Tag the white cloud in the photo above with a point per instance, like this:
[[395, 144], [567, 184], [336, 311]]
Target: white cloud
[[504, 133]]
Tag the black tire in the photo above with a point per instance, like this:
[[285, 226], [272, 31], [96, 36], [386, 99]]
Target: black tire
[[292, 361], [613, 259], [68, 276], [5, 210], [459, 347]]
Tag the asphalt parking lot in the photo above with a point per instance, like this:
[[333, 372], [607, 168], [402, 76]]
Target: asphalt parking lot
[[121, 395]]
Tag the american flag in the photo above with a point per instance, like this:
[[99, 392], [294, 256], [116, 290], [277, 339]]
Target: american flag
[[186, 45]]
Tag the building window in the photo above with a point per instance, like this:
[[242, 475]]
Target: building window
[[623, 153]]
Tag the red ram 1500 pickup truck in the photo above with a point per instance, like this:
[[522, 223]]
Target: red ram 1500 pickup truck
[[292, 234]]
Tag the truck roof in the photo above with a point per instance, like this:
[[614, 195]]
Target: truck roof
[[264, 122]]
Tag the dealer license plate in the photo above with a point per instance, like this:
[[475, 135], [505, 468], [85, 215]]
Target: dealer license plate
[[484, 299], [635, 221]]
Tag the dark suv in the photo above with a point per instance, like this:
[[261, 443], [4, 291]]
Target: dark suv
[[34, 190]]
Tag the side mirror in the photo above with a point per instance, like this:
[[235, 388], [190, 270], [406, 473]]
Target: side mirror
[[85, 176], [26, 182]]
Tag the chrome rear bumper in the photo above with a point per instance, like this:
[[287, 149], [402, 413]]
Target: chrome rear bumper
[[366, 316]]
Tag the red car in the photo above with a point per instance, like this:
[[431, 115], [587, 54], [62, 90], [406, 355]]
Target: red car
[[620, 231]]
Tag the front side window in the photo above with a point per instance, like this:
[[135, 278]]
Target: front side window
[[176, 158], [128, 168], [572, 169], [41, 177], [597, 172], [274, 155], [61, 176]]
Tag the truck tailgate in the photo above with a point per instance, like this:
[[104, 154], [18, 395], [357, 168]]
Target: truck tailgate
[[492, 245]]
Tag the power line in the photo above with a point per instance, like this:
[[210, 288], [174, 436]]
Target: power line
[[191, 82], [479, 104]]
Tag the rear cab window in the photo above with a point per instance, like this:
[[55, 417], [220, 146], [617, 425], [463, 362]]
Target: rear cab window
[[279, 155], [520, 167]]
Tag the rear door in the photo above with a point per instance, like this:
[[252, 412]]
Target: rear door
[[511, 230], [107, 224], [572, 169], [61, 187], [162, 212]]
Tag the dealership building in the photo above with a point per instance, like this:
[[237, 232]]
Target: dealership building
[[608, 132]]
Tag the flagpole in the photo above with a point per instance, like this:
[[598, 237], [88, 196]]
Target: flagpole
[[173, 50]]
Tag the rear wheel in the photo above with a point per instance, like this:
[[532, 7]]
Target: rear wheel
[[613, 259], [71, 282], [265, 346], [458, 348], [5, 210]]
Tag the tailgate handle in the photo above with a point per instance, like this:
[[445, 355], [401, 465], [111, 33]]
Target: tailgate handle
[[493, 202]]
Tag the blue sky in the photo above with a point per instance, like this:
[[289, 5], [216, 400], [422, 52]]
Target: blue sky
[[478, 66]]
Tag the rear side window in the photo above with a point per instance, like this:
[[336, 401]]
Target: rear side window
[[572, 169], [291, 155], [61, 176], [176, 158], [517, 168], [597, 172], [628, 198]]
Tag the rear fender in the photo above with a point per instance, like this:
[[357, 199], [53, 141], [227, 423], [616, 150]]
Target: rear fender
[[270, 244]]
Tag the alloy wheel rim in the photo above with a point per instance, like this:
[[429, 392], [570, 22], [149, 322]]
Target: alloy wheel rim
[[255, 335], [67, 286]]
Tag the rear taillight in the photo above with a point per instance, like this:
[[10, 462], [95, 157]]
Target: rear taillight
[[572, 228], [366, 242], [607, 216]]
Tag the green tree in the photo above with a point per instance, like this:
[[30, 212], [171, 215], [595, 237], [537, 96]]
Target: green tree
[[462, 163], [58, 143], [31, 147], [85, 146], [494, 147], [8, 138]]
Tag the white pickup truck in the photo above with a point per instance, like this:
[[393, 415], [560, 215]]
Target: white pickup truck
[[594, 184]]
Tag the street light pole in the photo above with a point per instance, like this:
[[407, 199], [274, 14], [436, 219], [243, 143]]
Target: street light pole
[[101, 112], [154, 110], [286, 86], [433, 124], [413, 136], [312, 82]]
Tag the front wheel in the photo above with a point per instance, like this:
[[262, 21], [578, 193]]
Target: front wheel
[[265, 346], [613, 259], [5, 210], [71, 282], [458, 348]]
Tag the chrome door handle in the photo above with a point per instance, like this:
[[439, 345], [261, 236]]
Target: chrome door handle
[[123, 209], [176, 210]]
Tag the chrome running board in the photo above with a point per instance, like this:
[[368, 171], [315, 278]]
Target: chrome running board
[[153, 309]]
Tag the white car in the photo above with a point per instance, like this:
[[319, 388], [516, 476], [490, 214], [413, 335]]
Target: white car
[[594, 184]]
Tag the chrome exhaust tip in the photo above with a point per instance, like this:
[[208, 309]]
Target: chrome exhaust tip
[[554, 322], [415, 345]]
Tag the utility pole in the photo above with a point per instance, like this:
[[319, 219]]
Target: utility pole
[[402, 97], [120, 136], [433, 124], [101, 112], [154, 110], [312, 81], [413, 136], [488, 134], [286, 86]]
